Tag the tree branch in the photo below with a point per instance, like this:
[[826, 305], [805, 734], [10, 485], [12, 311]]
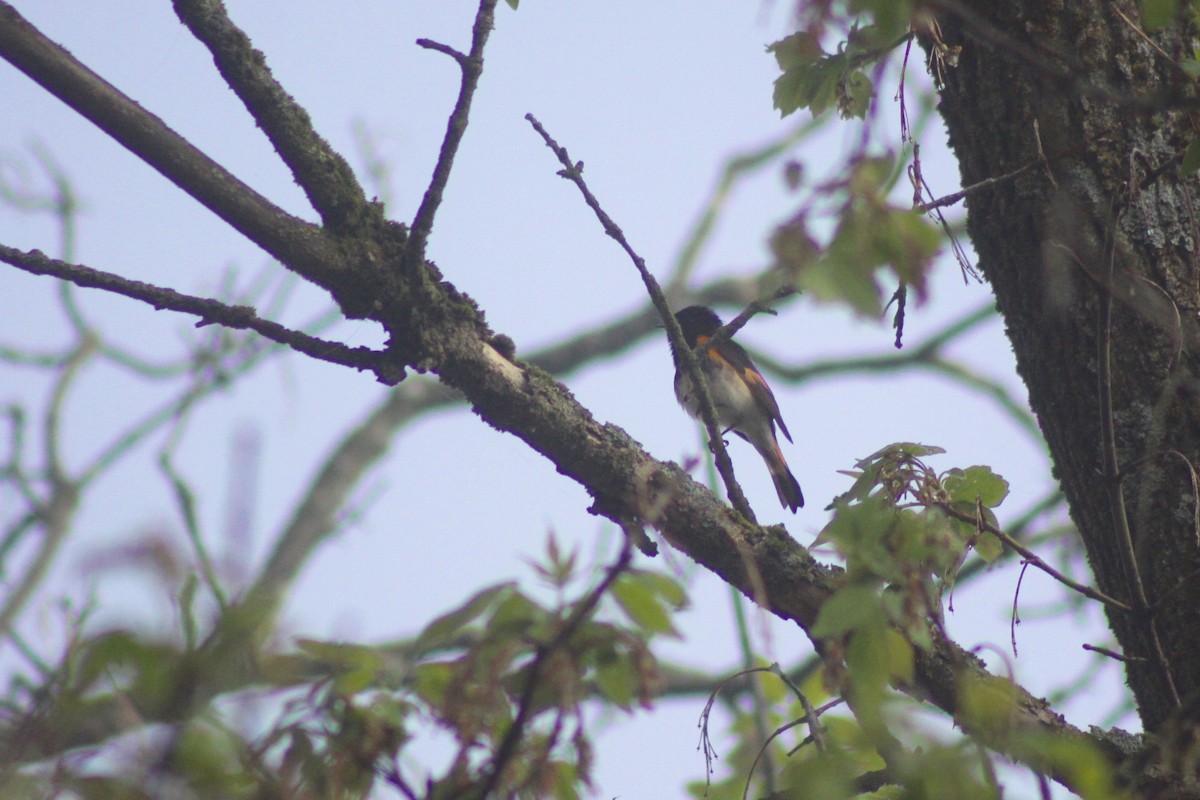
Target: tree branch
[[209, 311], [472, 67], [574, 173], [320, 171], [293, 241]]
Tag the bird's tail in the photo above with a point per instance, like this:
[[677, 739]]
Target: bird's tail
[[786, 485]]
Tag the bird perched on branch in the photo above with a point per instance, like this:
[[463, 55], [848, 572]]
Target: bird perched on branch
[[743, 400]]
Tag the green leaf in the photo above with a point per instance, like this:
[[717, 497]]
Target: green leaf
[[899, 655], [813, 86], [851, 608], [354, 666], [908, 242], [641, 603], [830, 776], [670, 590], [988, 547], [513, 4], [978, 482], [208, 758], [837, 279], [515, 613], [855, 529], [444, 628], [1191, 156], [870, 237], [617, 681], [430, 682], [869, 661], [1080, 759], [1158, 14], [793, 247], [797, 50], [857, 93], [904, 448]]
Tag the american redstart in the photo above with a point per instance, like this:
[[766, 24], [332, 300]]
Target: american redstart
[[743, 400]]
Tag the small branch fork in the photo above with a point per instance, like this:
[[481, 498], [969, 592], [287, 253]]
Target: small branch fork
[[573, 171], [326, 178], [727, 331], [471, 65], [291, 240], [209, 311]]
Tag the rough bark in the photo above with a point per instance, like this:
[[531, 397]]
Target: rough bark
[[1093, 263]]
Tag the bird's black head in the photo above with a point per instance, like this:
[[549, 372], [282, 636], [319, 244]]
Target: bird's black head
[[697, 321]]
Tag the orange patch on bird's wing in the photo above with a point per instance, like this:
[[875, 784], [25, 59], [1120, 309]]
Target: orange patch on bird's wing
[[715, 354], [764, 397], [756, 380]]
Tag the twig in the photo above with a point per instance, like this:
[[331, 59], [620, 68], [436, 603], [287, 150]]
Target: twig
[[472, 67], [1015, 619], [986, 183], [186, 499], [1170, 62], [581, 612], [729, 329], [210, 311], [1037, 138], [922, 188], [810, 713], [55, 515], [1113, 654], [574, 172], [760, 706], [1032, 557]]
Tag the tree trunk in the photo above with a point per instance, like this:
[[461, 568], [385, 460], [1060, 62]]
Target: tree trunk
[[1093, 262]]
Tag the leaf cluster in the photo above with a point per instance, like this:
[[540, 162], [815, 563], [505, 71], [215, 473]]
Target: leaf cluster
[[502, 676], [873, 236]]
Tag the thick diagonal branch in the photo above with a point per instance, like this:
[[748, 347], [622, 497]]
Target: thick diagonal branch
[[293, 241], [321, 172]]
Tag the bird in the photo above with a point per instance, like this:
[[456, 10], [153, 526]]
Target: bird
[[743, 401]]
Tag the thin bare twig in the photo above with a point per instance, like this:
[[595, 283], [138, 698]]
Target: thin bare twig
[[986, 183], [573, 172], [1113, 654], [810, 713], [456, 126], [56, 514], [763, 306], [1033, 558], [210, 311]]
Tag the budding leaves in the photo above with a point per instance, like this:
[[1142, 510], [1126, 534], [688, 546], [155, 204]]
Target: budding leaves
[[818, 81], [873, 237], [902, 531]]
